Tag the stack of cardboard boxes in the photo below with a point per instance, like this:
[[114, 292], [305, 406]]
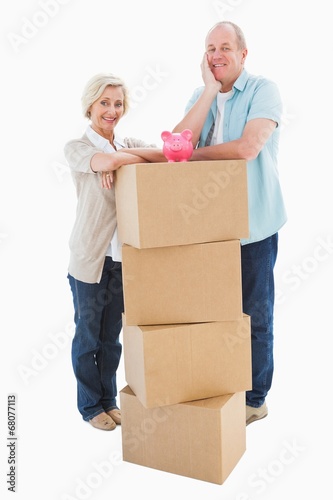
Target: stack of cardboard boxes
[[187, 343]]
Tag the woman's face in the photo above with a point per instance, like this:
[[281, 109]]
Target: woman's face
[[106, 111]]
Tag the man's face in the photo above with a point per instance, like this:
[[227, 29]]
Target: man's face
[[225, 58]]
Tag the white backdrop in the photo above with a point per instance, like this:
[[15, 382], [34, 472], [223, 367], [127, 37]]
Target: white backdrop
[[49, 49]]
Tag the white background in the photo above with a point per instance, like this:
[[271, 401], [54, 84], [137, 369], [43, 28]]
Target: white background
[[47, 55]]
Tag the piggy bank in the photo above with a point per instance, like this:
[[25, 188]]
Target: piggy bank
[[177, 147]]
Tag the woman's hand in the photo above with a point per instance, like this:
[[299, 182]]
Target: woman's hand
[[108, 163], [107, 180]]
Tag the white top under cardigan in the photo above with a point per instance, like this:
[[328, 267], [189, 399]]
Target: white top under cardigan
[[114, 249], [95, 220]]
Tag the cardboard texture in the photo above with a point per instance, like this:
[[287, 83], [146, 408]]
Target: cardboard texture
[[168, 204], [200, 439], [169, 364], [182, 284]]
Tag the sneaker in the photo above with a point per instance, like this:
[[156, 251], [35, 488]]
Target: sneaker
[[103, 421], [253, 414]]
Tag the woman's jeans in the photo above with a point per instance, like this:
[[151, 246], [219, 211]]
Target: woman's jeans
[[258, 260], [96, 348]]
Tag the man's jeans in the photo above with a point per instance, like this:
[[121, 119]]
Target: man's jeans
[[96, 349], [258, 260]]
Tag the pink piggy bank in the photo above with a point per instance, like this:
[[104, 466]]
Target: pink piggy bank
[[177, 147]]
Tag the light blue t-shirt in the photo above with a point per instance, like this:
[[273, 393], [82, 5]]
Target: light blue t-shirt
[[254, 97]]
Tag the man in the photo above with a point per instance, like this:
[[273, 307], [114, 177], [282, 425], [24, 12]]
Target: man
[[236, 115]]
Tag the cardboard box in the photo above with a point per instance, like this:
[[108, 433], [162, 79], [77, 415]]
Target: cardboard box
[[182, 284], [200, 439], [169, 364], [167, 204]]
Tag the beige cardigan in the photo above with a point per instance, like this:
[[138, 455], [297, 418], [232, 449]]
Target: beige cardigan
[[95, 220]]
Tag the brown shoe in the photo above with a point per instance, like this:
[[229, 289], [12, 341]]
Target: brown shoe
[[103, 421], [253, 414], [115, 415]]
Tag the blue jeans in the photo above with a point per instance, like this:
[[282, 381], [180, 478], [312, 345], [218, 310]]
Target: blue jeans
[[96, 348], [258, 260]]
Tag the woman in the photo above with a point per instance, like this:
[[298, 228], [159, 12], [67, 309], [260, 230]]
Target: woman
[[94, 272]]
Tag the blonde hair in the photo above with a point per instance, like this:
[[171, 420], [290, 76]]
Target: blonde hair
[[95, 88]]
